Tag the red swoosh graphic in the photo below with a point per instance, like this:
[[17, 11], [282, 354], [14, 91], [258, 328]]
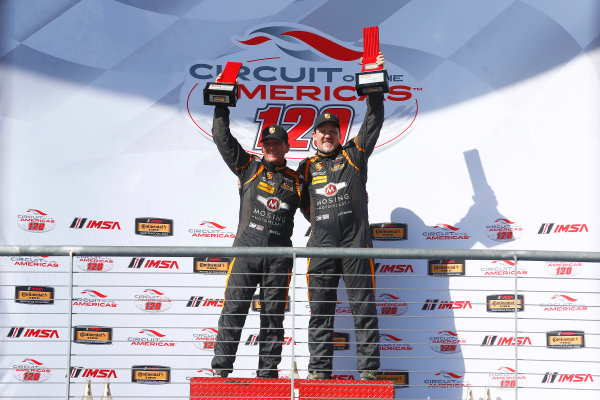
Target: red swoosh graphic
[[387, 295], [31, 360], [452, 228], [214, 224], [153, 332], [255, 40], [154, 291], [94, 292], [505, 221], [449, 333], [325, 46], [37, 211]]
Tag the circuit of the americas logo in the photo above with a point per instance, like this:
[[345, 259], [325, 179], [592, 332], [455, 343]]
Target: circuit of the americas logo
[[31, 370], [291, 74]]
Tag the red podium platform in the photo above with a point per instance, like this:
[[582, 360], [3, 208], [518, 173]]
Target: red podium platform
[[281, 389]]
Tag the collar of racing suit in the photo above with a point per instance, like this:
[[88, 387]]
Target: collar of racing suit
[[332, 154], [273, 168]]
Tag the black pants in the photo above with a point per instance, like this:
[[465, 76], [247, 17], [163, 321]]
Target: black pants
[[273, 276], [323, 278]]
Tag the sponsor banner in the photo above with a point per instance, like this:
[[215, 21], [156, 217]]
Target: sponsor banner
[[212, 230], [382, 268], [200, 301], [564, 303], [35, 221], [452, 267], [506, 378], [150, 374], [150, 338], [94, 299], [205, 339], [552, 228], [92, 335], [446, 342], [570, 378], [95, 264], [26, 263], [504, 230], [253, 340], [503, 268], [93, 373], [445, 380], [446, 232], [400, 378], [152, 264], [152, 301], [388, 342], [153, 226], [505, 303], [85, 223], [341, 341], [565, 339], [389, 231], [499, 340], [34, 295], [32, 333], [30, 370], [211, 265], [563, 269], [437, 304]]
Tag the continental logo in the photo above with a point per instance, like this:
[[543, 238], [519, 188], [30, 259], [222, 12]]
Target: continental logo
[[400, 378], [211, 265], [341, 341], [505, 303], [452, 267], [389, 231], [34, 295], [266, 187], [319, 179], [154, 227], [151, 374], [565, 339], [256, 306], [92, 335]]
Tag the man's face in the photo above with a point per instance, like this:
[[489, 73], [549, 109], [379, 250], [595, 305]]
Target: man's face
[[274, 151], [327, 137]]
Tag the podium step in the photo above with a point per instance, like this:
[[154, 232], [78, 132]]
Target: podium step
[[281, 389]]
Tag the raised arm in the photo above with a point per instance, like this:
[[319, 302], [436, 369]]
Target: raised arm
[[232, 152]]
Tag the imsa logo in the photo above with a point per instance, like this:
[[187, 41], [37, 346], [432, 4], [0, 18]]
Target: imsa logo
[[81, 372], [151, 263], [80, 223], [18, 331]]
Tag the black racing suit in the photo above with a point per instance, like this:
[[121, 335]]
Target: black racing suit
[[269, 197], [339, 218]]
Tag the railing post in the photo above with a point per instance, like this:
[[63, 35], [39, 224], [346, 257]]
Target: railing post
[[70, 327], [293, 310], [517, 328]]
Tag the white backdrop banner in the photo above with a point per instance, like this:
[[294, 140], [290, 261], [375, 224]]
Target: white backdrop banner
[[490, 140]]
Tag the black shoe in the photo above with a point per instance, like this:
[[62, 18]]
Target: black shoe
[[368, 376], [220, 373], [318, 375]]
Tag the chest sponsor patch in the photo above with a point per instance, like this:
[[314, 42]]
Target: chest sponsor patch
[[337, 166], [273, 203], [319, 179], [266, 187], [330, 189]]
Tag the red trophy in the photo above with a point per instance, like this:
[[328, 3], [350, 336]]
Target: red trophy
[[373, 78], [225, 90]]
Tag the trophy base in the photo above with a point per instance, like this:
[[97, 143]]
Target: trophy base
[[224, 94], [372, 82]]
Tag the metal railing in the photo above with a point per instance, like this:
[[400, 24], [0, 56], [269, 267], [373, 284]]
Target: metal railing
[[293, 252]]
